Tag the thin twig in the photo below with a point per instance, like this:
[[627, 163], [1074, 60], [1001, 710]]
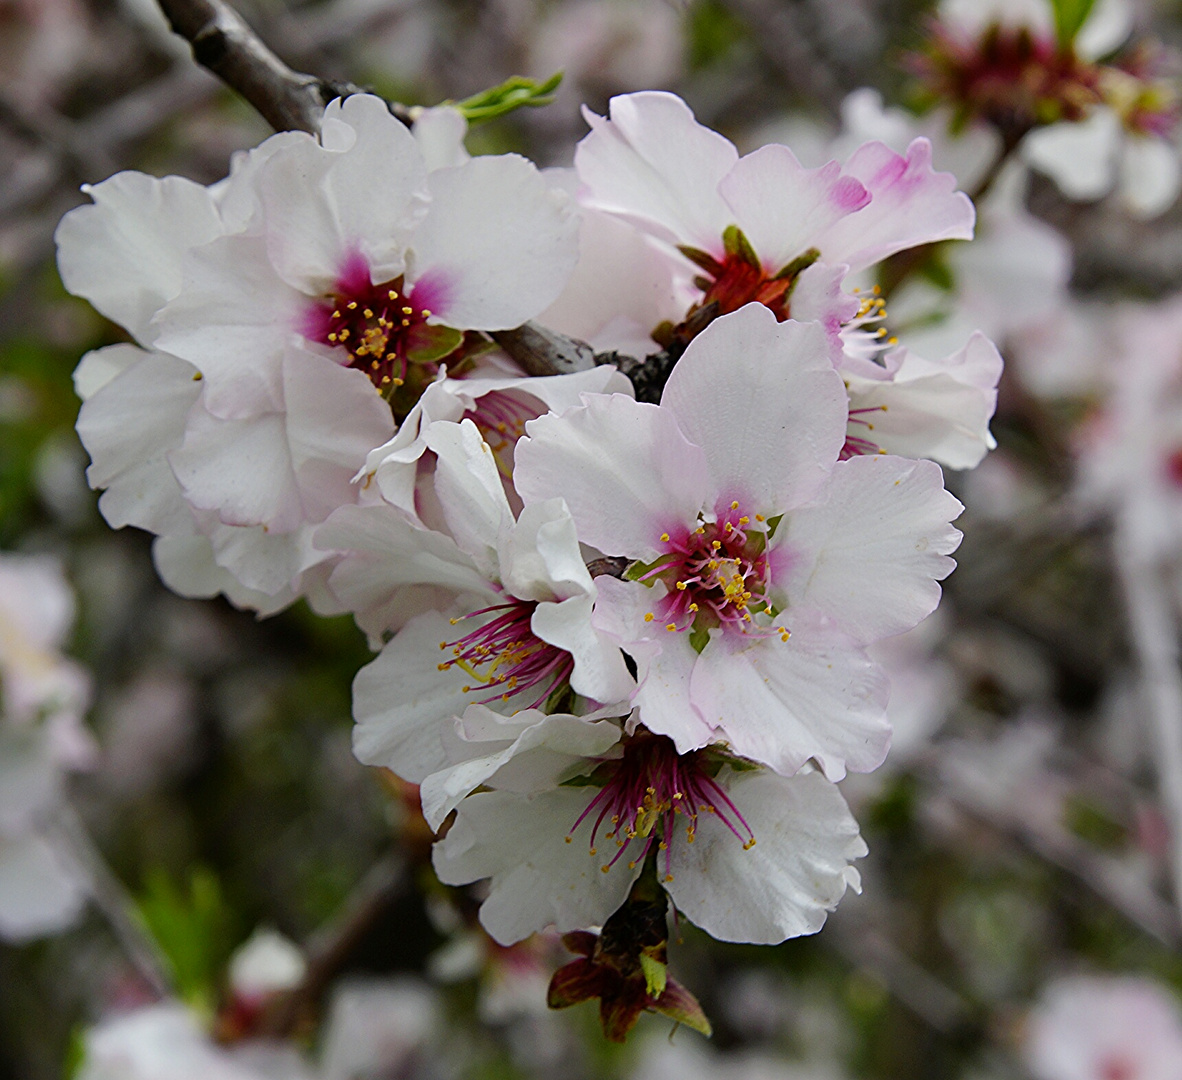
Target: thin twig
[[288, 100], [331, 948], [114, 901], [1155, 641]]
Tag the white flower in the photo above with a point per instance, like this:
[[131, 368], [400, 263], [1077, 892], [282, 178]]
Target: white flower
[[765, 563], [1105, 1028], [43, 697], [745, 854], [528, 635]]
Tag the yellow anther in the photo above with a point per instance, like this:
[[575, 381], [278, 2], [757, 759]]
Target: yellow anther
[[368, 313], [664, 538], [693, 607], [671, 626], [744, 521], [594, 851], [649, 616], [605, 868], [426, 313], [570, 839], [749, 844], [759, 517], [332, 337], [735, 505], [668, 877], [336, 314], [352, 305], [406, 322], [682, 585], [408, 311]]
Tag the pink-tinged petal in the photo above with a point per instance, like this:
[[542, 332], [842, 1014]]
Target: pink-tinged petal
[[538, 879], [265, 561], [391, 570], [919, 408], [129, 427], [232, 321], [540, 556], [763, 401], [652, 163], [496, 246], [319, 204], [784, 702], [870, 552], [624, 468], [782, 207], [910, 204], [124, 253], [818, 296], [788, 880], [239, 469]]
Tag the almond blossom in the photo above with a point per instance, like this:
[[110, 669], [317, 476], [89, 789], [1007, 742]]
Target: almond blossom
[[1105, 1028], [42, 889], [763, 564], [745, 854], [270, 307], [522, 630]]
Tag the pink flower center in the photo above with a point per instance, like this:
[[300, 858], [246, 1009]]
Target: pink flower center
[[1173, 467], [501, 418], [1117, 1068], [715, 576], [505, 657], [649, 793]]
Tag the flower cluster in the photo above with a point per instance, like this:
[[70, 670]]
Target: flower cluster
[[623, 624]]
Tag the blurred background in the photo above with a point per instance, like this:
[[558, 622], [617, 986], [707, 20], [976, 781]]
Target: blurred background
[[1018, 839]]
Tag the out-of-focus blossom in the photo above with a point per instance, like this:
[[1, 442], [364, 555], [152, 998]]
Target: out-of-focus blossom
[[1105, 1028], [665, 1059], [44, 696]]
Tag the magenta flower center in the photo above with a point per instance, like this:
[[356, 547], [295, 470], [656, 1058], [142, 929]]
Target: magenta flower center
[[505, 658], [715, 576], [652, 792]]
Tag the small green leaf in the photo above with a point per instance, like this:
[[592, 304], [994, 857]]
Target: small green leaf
[[656, 974], [514, 93], [699, 638], [773, 523], [1070, 15]]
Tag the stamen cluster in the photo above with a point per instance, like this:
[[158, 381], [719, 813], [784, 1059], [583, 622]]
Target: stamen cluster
[[506, 656], [649, 792]]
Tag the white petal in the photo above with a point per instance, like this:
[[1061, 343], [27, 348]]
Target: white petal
[[763, 401], [440, 133], [232, 321], [869, 555], [540, 556], [124, 253], [651, 162], [783, 886], [470, 491], [1079, 157], [782, 207], [781, 703], [496, 246], [599, 673], [186, 565], [1150, 175], [41, 892], [624, 468], [538, 879], [932, 410], [99, 366], [128, 427], [383, 559], [1106, 28]]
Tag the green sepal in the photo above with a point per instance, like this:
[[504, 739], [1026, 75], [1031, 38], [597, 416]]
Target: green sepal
[[637, 570], [773, 523], [702, 259], [514, 93], [801, 263], [678, 1004], [699, 638], [425, 344], [1070, 15], [656, 974], [736, 245]]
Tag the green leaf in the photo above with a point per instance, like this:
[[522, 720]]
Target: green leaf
[[514, 93], [1070, 15]]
